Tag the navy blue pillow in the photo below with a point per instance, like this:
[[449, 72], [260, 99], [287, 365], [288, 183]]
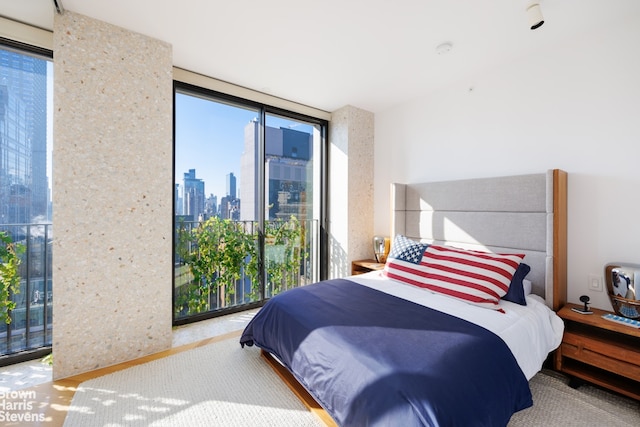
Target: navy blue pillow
[[516, 288]]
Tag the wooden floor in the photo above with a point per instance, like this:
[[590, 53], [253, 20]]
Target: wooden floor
[[52, 399]]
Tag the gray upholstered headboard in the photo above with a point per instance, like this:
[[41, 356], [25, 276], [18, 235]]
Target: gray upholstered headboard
[[522, 213]]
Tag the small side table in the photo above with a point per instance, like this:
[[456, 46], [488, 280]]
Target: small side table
[[365, 266], [600, 351]]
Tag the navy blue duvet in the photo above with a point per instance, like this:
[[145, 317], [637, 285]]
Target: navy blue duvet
[[372, 359]]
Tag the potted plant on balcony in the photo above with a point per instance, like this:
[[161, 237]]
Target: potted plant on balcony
[[9, 278], [224, 249]]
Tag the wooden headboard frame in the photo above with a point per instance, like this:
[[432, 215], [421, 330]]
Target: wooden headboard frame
[[522, 213]]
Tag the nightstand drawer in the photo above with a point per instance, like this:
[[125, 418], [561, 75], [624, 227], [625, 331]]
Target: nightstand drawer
[[608, 357], [617, 351]]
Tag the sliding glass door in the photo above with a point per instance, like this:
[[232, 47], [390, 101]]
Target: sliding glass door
[[247, 203], [292, 191]]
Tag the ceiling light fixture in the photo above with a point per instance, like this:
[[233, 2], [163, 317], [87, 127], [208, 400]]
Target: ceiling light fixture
[[534, 14], [444, 48], [58, 5]]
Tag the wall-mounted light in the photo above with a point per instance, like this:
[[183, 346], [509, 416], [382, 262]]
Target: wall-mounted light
[[534, 14]]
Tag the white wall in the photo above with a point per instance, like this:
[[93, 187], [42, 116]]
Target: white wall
[[574, 105]]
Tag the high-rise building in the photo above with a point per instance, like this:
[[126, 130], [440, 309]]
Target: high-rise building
[[229, 208], [211, 206], [193, 195], [288, 154], [24, 189], [231, 185], [178, 200]]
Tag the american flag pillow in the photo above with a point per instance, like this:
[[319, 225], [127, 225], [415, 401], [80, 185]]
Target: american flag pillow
[[479, 278], [405, 261], [406, 249]]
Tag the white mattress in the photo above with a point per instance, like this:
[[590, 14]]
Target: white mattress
[[530, 331]]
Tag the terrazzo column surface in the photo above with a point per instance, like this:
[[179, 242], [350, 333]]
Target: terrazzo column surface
[[112, 183]]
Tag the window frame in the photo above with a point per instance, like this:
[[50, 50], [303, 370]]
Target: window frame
[[264, 109], [37, 51]]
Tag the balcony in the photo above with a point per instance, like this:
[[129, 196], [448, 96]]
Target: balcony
[[217, 269], [31, 319], [290, 259]]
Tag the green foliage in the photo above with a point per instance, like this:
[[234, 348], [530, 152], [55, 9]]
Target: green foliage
[[223, 247], [220, 252], [48, 359], [9, 278], [282, 254]]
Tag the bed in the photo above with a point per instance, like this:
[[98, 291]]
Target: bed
[[393, 348]]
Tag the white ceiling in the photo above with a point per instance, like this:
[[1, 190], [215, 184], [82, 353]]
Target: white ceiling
[[371, 54]]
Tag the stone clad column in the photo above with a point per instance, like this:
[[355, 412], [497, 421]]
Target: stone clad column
[[113, 190], [350, 188]]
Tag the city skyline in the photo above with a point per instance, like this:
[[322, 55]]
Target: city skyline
[[209, 137], [25, 138]]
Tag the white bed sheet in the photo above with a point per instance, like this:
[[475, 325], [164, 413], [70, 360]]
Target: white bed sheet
[[530, 331]]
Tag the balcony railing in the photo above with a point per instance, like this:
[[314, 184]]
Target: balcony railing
[[290, 260], [31, 318], [206, 252]]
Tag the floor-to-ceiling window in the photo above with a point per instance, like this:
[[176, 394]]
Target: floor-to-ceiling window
[[26, 298], [247, 200]]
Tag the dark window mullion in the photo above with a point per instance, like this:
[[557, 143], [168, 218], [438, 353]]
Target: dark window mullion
[[262, 276]]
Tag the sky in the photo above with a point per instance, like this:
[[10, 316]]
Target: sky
[[210, 139]]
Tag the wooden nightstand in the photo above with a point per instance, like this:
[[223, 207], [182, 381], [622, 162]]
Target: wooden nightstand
[[600, 351], [365, 266]]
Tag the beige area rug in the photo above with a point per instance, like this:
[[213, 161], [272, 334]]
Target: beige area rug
[[557, 404], [221, 384]]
